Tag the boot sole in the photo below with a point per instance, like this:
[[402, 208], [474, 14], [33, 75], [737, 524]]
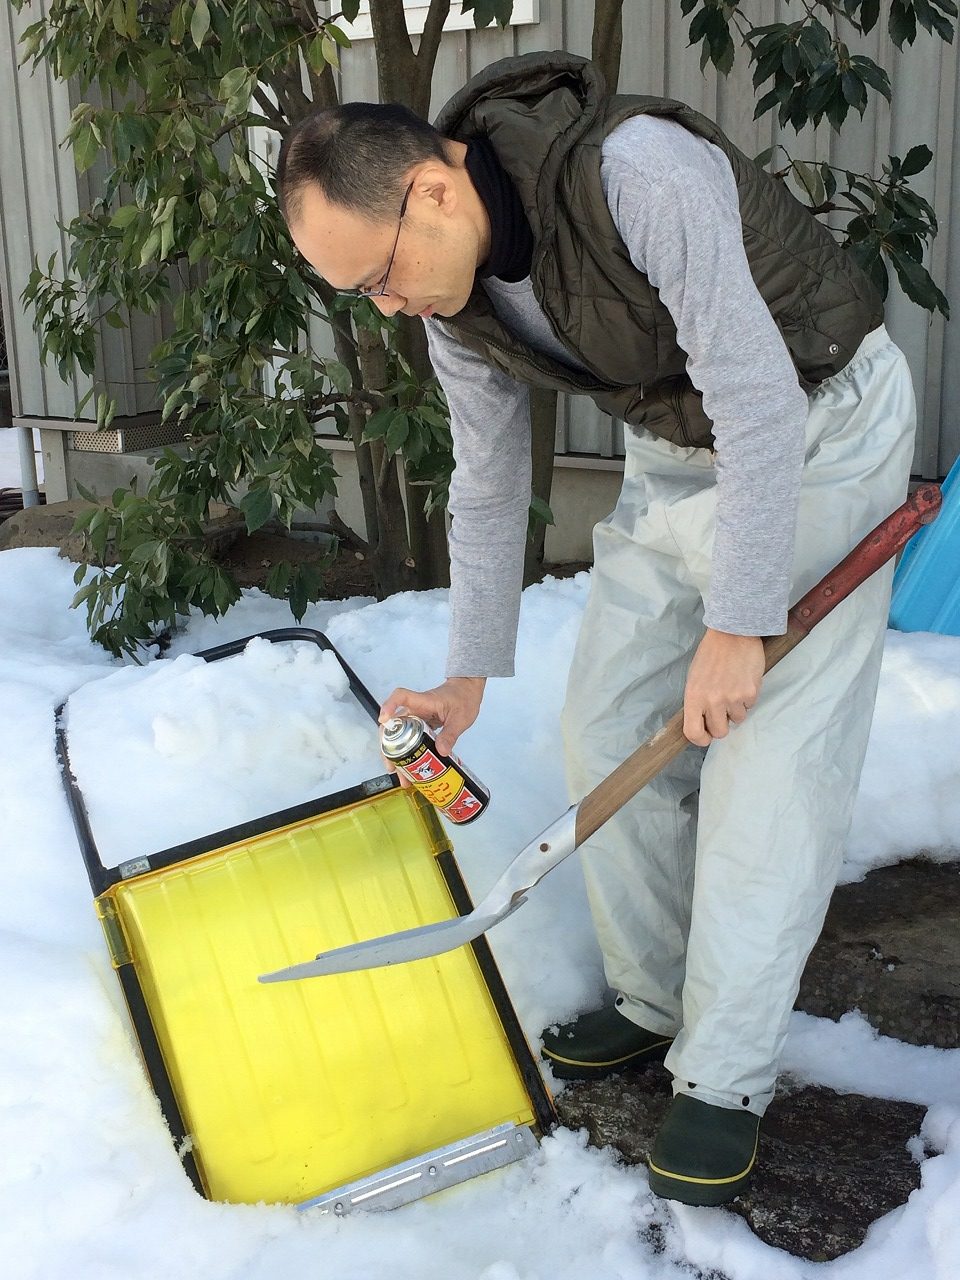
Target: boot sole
[[572, 1069]]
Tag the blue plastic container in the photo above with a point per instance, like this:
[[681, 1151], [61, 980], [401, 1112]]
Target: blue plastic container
[[926, 586]]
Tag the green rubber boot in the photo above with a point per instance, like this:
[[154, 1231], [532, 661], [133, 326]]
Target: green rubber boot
[[703, 1154], [597, 1044]]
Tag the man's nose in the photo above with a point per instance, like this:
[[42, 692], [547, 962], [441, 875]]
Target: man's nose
[[388, 304]]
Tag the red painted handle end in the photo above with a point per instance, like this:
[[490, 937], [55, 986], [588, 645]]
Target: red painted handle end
[[922, 507]]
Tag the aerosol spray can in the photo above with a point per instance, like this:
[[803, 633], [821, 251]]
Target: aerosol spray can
[[443, 780]]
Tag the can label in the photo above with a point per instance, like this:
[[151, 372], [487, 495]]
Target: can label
[[425, 767], [464, 807], [443, 780]]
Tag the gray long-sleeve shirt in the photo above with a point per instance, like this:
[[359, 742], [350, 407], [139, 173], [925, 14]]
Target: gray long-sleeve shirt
[[673, 198]]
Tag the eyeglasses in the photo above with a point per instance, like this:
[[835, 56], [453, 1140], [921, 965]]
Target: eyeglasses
[[363, 291]]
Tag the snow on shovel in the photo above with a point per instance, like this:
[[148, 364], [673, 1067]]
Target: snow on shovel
[[570, 831]]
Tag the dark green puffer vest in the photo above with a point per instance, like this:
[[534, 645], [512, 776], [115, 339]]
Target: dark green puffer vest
[[546, 115]]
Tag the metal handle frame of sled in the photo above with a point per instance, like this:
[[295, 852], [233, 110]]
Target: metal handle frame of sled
[[103, 878]]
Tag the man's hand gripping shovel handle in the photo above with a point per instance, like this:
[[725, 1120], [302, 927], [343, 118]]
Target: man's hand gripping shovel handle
[[580, 822]]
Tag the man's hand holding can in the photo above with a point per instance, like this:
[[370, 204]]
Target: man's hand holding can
[[449, 709]]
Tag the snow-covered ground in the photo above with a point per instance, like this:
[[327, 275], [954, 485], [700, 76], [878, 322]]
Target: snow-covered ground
[[90, 1186]]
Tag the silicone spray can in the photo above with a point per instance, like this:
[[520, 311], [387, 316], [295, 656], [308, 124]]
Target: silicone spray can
[[407, 742]]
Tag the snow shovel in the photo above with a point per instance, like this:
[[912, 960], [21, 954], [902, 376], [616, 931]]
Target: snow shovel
[[580, 821]]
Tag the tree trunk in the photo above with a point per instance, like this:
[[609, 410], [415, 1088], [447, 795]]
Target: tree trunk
[[543, 434], [428, 538], [406, 77], [347, 355], [393, 565], [402, 75], [608, 39]]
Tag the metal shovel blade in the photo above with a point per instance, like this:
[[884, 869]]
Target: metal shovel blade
[[526, 870], [394, 948]]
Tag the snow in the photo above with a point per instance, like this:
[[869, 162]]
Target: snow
[[90, 1185], [909, 798]]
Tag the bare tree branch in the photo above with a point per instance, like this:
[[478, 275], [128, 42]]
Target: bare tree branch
[[270, 109], [430, 40]]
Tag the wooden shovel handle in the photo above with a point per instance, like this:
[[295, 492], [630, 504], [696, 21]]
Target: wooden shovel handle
[[875, 550]]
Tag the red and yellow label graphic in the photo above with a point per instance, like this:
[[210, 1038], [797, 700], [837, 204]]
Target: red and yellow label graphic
[[464, 807], [442, 784], [438, 781], [425, 767], [443, 791]]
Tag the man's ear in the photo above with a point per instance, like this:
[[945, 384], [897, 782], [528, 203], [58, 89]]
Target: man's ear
[[435, 184]]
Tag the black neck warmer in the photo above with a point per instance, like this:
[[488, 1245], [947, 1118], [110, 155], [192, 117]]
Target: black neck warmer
[[511, 240]]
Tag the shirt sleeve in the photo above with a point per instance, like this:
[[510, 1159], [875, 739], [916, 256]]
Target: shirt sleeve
[[488, 504], [684, 232]]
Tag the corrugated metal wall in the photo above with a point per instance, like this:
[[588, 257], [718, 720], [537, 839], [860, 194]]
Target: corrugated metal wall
[[39, 185]]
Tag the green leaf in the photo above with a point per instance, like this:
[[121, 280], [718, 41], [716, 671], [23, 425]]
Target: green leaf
[[765, 103], [144, 551], [339, 375], [278, 580], [150, 247], [902, 23], [166, 240], [315, 53], [85, 148], [257, 508], [378, 423], [350, 9], [328, 49], [224, 592], [723, 52], [853, 90], [185, 135], [178, 23], [165, 211], [918, 285], [869, 14], [837, 110], [871, 74], [232, 83], [126, 214], [942, 25], [916, 160], [487, 11], [811, 181], [208, 204], [298, 597], [200, 22], [537, 513], [396, 434], [81, 523], [82, 403]]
